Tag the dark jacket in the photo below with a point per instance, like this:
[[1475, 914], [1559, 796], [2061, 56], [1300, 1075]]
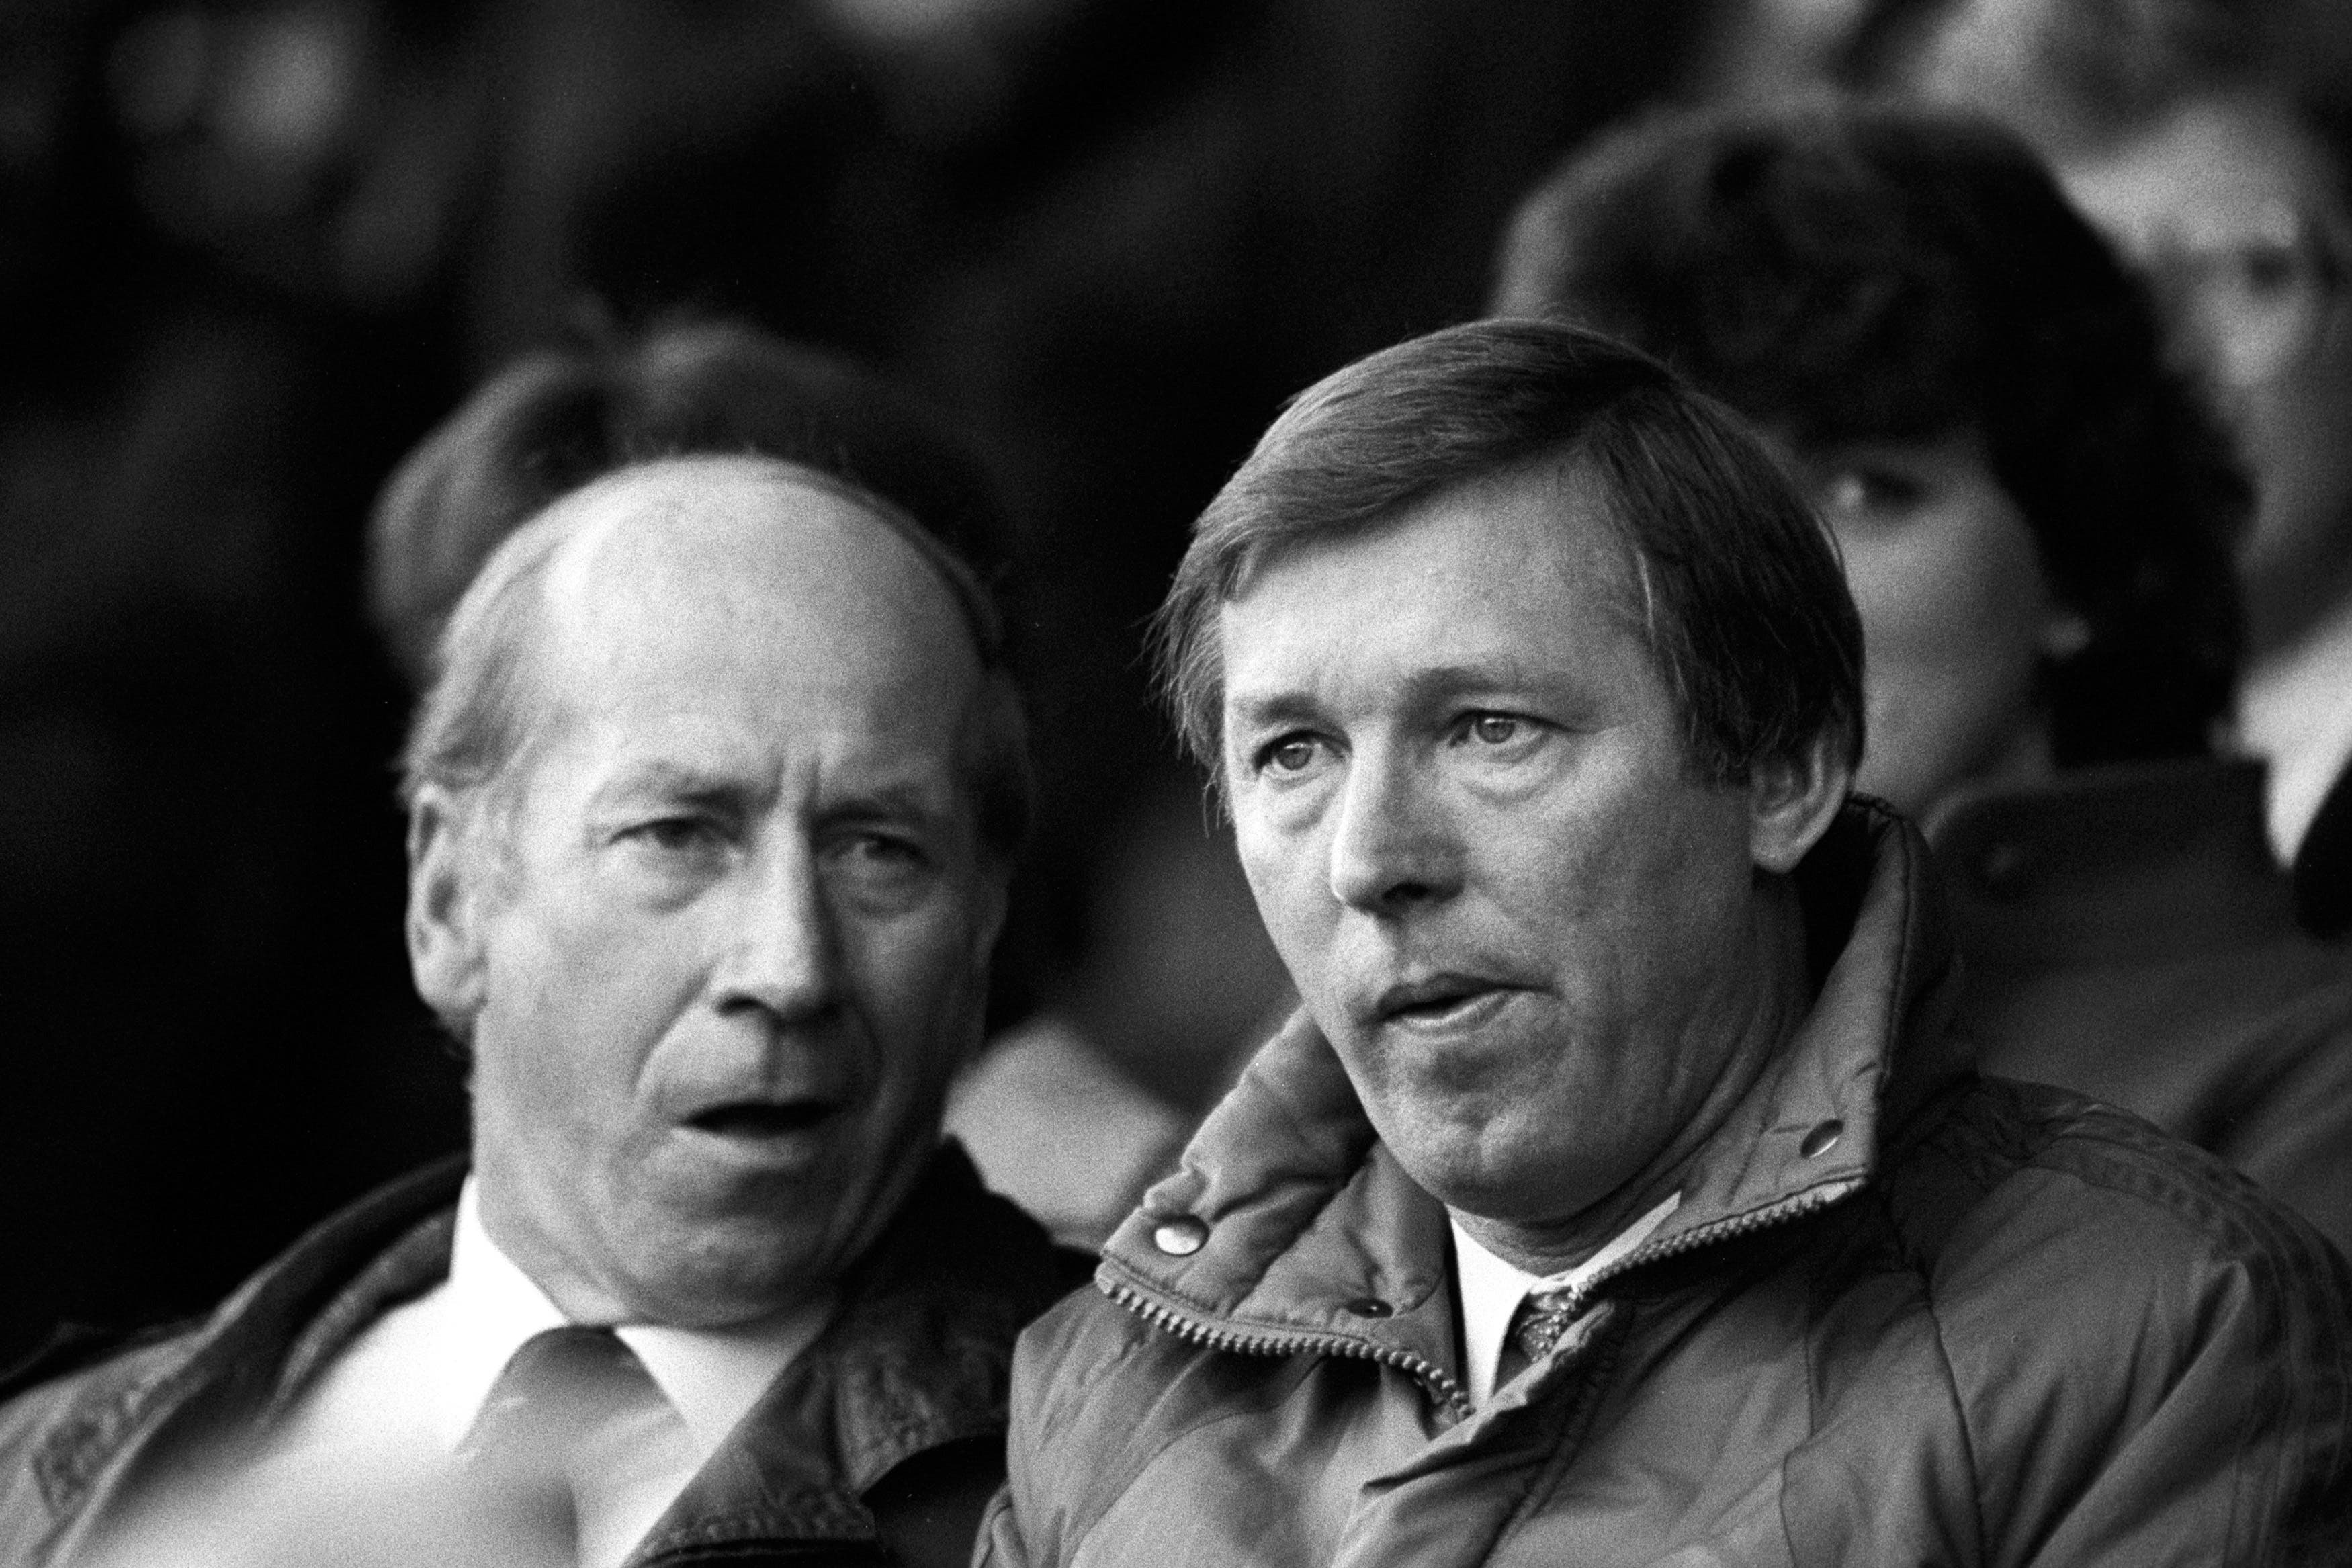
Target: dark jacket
[[2125, 935], [1903, 1315], [881, 1443]]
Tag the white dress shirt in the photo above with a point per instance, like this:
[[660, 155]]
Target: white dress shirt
[[1491, 1291], [2295, 711], [402, 1397]]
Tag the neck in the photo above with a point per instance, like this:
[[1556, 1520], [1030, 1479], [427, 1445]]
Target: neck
[[1741, 1026], [2022, 760]]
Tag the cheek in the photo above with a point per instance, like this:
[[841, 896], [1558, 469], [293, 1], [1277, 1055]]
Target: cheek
[[1958, 605], [917, 981], [1280, 864]]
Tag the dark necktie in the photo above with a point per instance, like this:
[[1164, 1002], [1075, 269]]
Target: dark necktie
[[1542, 1320]]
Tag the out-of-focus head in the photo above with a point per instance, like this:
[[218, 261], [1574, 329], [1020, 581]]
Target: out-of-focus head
[[2213, 141], [2034, 514], [554, 420], [1524, 672], [713, 804]]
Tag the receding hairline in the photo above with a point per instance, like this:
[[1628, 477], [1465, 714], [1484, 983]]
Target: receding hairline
[[498, 636], [591, 516]]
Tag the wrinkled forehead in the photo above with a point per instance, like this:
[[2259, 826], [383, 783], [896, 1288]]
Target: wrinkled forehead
[[1581, 509]]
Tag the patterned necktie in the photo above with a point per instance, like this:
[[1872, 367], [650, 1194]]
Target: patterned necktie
[[571, 1437], [1542, 1320]]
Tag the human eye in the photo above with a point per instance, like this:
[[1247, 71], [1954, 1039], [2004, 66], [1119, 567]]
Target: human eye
[[1287, 756], [1492, 735], [681, 833], [887, 850], [671, 852], [881, 867], [1863, 491], [1492, 728]]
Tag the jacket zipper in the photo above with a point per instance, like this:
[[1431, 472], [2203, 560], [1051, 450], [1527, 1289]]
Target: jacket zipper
[[1439, 1382], [1437, 1379], [1691, 1240]]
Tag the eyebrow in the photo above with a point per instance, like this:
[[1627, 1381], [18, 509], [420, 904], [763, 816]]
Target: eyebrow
[[671, 781], [1283, 706], [663, 779]]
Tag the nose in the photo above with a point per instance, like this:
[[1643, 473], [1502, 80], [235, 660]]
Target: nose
[[780, 957], [1391, 848]]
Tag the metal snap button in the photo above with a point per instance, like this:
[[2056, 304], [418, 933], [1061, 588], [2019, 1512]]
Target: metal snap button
[[1180, 1236], [1821, 1139], [1369, 1307]]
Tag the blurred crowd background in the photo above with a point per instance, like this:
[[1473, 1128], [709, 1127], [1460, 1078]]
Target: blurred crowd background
[[251, 252]]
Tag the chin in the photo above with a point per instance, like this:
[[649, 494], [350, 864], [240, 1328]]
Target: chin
[[710, 1280]]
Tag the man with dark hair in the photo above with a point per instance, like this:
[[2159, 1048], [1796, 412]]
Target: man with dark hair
[[2034, 516], [713, 797], [1621, 1193]]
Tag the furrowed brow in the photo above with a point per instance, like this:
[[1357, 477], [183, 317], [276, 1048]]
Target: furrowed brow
[[668, 781]]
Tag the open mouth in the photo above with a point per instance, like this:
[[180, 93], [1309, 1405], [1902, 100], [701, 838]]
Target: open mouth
[[752, 1119], [1440, 1000]]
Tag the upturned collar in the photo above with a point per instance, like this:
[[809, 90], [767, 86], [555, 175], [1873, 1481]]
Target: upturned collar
[[1289, 1226]]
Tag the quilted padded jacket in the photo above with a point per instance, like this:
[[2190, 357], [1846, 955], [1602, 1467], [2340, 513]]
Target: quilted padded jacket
[[1903, 1315]]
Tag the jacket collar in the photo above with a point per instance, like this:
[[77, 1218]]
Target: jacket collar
[[257, 1349], [918, 1357], [1288, 1225], [2136, 862]]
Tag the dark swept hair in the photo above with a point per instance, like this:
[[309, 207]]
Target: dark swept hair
[[552, 421], [454, 555], [1743, 603], [1846, 273]]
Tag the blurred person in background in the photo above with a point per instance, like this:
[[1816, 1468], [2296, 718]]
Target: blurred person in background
[[200, 858], [1622, 1193], [2213, 141], [2035, 517], [1110, 238], [714, 794]]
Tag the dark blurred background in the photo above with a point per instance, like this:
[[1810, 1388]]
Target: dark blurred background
[[251, 252]]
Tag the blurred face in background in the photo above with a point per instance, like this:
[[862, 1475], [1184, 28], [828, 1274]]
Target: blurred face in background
[[2239, 217], [1958, 618], [728, 939]]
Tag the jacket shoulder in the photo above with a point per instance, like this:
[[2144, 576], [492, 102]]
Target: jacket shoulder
[[72, 1398], [1997, 1163], [1086, 1376], [2144, 1347]]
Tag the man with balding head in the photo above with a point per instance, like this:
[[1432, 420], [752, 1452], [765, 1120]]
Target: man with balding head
[[712, 804]]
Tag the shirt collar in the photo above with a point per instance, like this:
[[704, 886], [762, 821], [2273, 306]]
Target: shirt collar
[[1492, 1290], [489, 1306]]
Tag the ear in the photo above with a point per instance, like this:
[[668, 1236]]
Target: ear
[[445, 907], [1791, 803], [993, 896]]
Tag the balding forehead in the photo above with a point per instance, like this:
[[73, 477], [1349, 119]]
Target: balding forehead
[[737, 520]]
